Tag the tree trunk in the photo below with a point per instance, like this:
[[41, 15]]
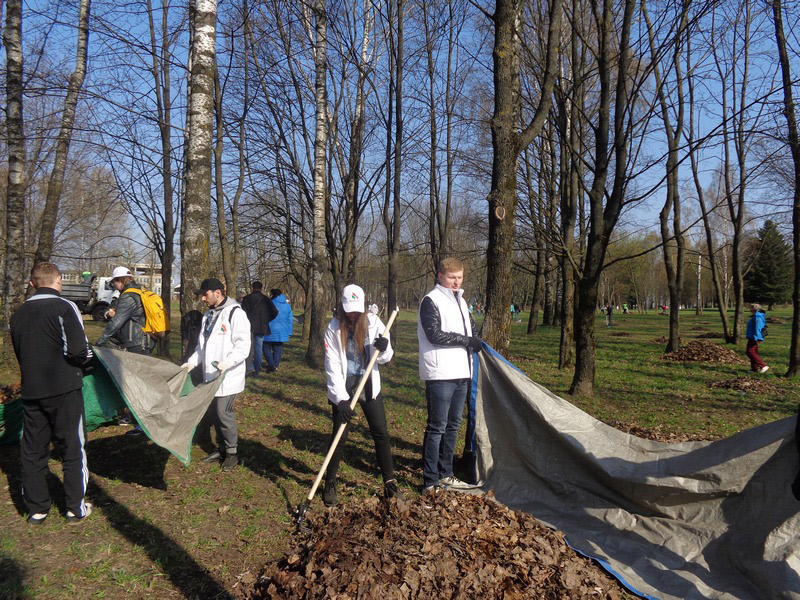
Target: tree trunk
[[14, 272], [315, 354], [197, 203], [56, 183], [394, 254], [507, 143], [794, 146]]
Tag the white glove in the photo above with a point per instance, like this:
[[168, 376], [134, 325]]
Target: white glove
[[187, 366], [224, 365]]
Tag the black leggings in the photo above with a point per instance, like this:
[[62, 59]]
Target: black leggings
[[376, 418]]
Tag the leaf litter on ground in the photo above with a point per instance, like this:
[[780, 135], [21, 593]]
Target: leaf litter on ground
[[450, 545], [746, 384]]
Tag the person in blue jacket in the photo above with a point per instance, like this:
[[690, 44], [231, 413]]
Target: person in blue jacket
[[755, 334], [280, 330]]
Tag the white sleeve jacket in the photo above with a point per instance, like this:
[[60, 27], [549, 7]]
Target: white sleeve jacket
[[336, 359], [230, 341]]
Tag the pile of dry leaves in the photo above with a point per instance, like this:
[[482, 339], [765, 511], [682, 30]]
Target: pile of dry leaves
[[702, 351], [660, 340], [621, 334], [9, 392], [455, 546], [752, 385]]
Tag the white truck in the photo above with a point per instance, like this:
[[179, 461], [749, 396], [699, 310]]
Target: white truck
[[93, 295]]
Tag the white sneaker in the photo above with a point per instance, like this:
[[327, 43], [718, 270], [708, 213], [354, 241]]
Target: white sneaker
[[453, 483], [73, 518], [763, 369]]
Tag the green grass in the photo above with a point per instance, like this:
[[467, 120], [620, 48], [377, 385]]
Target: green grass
[[161, 529]]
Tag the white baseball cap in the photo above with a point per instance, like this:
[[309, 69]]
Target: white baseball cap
[[121, 272], [353, 298]]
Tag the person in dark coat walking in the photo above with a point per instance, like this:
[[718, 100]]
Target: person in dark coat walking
[[51, 347], [260, 310], [281, 330]]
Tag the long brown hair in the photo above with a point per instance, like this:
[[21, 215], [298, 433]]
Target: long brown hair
[[359, 329]]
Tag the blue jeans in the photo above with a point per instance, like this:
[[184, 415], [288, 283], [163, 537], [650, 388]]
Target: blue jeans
[[445, 400], [272, 352], [255, 364]]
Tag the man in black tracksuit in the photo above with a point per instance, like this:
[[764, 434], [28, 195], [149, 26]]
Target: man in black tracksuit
[[51, 347], [260, 310]]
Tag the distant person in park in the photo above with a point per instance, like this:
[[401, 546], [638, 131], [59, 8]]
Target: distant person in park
[[447, 341], [624, 308], [281, 328], [222, 349], [755, 334], [663, 308], [125, 331], [51, 347], [350, 341], [609, 313], [260, 311]]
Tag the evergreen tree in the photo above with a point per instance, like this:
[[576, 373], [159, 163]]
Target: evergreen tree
[[769, 279]]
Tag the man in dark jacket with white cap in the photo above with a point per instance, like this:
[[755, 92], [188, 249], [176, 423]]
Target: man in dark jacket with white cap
[[126, 329]]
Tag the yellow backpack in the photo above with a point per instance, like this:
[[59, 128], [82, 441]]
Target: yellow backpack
[[156, 319]]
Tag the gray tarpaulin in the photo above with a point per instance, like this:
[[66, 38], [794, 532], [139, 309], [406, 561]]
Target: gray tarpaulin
[[160, 396], [688, 520]]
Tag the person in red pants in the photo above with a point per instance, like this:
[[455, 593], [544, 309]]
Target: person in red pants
[[755, 334]]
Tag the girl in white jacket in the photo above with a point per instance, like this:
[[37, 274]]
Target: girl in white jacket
[[350, 340]]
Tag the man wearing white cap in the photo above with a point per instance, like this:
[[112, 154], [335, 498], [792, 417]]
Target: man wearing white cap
[[126, 329]]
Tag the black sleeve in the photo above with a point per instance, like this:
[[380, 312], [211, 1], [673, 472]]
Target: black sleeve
[[125, 307], [432, 326], [272, 312], [77, 349]]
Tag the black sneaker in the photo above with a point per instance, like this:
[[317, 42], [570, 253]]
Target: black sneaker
[[135, 431], [213, 457], [391, 490], [37, 519], [329, 493], [230, 462]]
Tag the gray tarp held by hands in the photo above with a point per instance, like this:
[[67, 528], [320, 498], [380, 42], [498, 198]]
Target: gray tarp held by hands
[[688, 520], [157, 392]]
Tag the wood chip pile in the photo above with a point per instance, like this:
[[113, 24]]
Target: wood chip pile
[[702, 351], [451, 546]]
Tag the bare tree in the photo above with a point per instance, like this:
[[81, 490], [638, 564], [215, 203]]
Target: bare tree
[[56, 184], [794, 146], [315, 351], [507, 143], [197, 200], [14, 268]]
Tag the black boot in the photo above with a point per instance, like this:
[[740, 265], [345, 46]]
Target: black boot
[[329, 492], [391, 490]]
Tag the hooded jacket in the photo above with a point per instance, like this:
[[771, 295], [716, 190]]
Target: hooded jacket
[[336, 358], [228, 340], [444, 327], [755, 326], [282, 326]]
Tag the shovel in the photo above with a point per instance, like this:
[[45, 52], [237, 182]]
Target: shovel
[[302, 508]]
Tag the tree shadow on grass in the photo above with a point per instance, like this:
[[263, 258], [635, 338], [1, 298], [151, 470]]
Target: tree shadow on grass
[[187, 575], [131, 459], [12, 576]]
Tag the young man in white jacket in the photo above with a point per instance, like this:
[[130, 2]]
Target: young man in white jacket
[[222, 349], [350, 341], [445, 332]]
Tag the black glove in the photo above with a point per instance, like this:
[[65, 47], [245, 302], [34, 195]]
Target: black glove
[[381, 343], [474, 344], [345, 411]]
